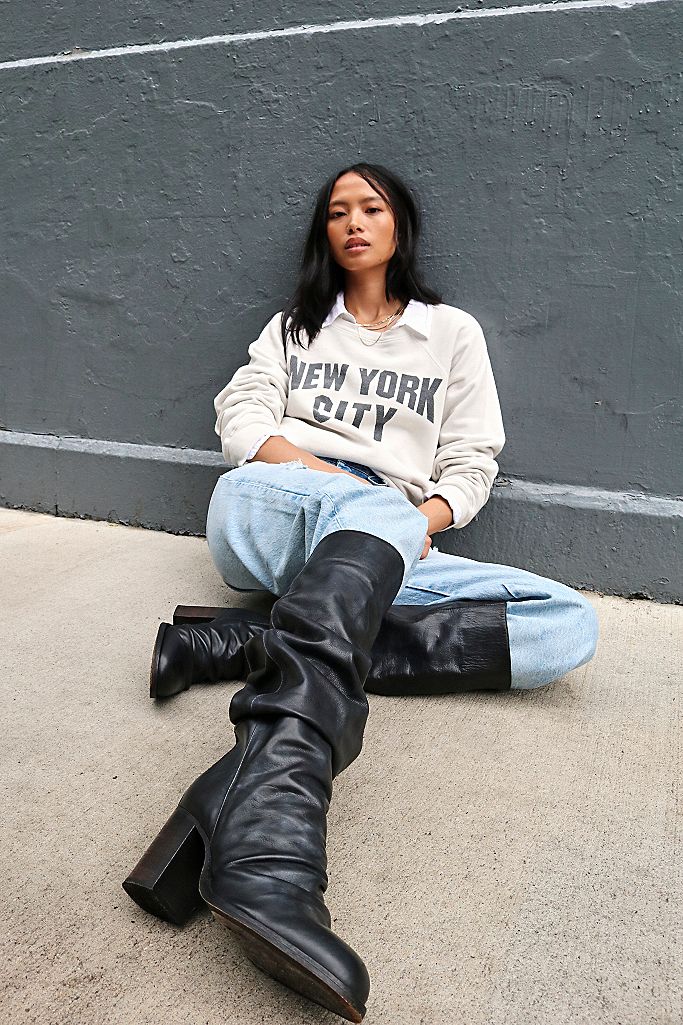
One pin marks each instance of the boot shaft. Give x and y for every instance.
(349, 581)
(279, 775)
(313, 661)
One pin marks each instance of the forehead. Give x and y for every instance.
(352, 187)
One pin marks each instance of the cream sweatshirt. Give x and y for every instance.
(419, 405)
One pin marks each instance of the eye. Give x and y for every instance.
(339, 213)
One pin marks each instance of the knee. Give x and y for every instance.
(356, 502)
(215, 509)
(384, 512)
(558, 636)
(575, 632)
(578, 630)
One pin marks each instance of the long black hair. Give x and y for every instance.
(321, 277)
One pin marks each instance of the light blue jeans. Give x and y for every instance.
(265, 519)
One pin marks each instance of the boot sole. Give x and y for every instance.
(297, 973)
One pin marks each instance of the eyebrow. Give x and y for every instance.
(366, 199)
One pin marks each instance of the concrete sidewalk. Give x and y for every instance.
(501, 859)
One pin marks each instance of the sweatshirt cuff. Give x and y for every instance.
(256, 446)
(452, 497)
(244, 443)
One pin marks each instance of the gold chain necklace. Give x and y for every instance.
(385, 320)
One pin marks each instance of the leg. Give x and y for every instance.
(263, 522)
(461, 644)
(265, 519)
(552, 627)
(248, 837)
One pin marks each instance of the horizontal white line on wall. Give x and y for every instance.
(117, 449)
(509, 488)
(581, 496)
(399, 21)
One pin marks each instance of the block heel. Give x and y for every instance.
(165, 881)
(196, 613)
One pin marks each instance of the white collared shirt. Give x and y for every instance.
(416, 315)
(419, 406)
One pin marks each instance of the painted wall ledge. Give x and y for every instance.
(613, 542)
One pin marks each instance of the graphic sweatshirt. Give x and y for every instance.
(419, 405)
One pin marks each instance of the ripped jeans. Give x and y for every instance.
(264, 520)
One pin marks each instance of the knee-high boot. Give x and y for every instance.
(248, 836)
(444, 648)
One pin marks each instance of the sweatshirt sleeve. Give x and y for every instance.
(472, 432)
(256, 446)
(251, 406)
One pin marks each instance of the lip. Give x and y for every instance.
(356, 244)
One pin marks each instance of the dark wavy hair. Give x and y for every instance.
(321, 277)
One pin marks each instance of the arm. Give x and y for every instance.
(439, 514)
(251, 407)
(253, 402)
(277, 449)
(471, 435)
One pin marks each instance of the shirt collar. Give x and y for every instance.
(416, 315)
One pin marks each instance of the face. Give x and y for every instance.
(357, 211)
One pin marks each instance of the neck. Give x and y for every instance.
(365, 298)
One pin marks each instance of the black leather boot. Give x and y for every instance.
(447, 648)
(202, 653)
(248, 837)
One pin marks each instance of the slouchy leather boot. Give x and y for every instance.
(447, 648)
(248, 836)
(183, 655)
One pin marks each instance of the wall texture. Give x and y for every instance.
(155, 180)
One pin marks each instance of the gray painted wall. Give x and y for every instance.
(150, 202)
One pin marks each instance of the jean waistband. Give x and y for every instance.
(358, 468)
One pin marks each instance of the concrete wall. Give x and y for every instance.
(151, 193)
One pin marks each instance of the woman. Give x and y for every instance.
(366, 420)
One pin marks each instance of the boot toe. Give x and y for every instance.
(168, 672)
(286, 932)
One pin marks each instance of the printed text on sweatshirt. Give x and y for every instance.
(420, 406)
